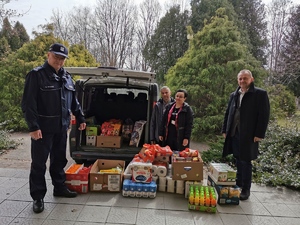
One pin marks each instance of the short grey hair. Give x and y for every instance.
(245, 71)
(165, 87)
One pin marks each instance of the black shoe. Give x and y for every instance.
(244, 194)
(65, 193)
(38, 206)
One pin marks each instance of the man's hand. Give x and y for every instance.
(35, 135)
(257, 139)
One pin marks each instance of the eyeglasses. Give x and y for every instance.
(58, 57)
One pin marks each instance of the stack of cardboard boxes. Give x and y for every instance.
(222, 177)
(102, 176)
(109, 137)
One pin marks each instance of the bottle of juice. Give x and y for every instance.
(191, 197)
(197, 198)
(207, 200)
(213, 201)
(202, 198)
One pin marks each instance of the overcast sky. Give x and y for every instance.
(39, 12)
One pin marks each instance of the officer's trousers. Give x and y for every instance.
(55, 146)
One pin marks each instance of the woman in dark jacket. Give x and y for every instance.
(177, 123)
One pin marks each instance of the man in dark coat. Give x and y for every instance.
(245, 124)
(157, 114)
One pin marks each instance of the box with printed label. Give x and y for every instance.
(222, 172)
(187, 170)
(91, 131)
(91, 140)
(227, 194)
(109, 141)
(107, 175)
(78, 180)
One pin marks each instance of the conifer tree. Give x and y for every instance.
(168, 43)
(209, 69)
(291, 53)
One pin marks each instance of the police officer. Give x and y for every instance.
(48, 101)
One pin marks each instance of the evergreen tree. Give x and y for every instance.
(168, 43)
(208, 71)
(6, 30)
(291, 53)
(252, 15)
(4, 48)
(248, 15)
(20, 33)
(15, 36)
(203, 10)
(15, 67)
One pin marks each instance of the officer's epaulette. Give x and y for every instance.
(38, 68)
(68, 73)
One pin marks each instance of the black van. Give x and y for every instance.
(107, 93)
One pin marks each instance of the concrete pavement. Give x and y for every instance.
(266, 205)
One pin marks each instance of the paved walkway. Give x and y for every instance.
(270, 206)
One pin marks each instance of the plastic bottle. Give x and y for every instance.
(191, 197)
(213, 202)
(197, 198)
(202, 198)
(207, 200)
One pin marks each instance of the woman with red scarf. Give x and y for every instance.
(177, 123)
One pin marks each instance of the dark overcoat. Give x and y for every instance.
(254, 119)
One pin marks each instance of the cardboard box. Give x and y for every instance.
(227, 195)
(192, 171)
(78, 181)
(106, 182)
(91, 131)
(214, 179)
(91, 140)
(109, 141)
(222, 172)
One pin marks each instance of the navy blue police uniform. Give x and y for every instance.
(48, 101)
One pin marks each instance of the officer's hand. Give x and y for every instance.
(185, 142)
(82, 126)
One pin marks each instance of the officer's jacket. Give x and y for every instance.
(49, 99)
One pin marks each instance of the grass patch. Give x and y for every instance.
(290, 121)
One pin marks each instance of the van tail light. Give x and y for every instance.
(73, 120)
